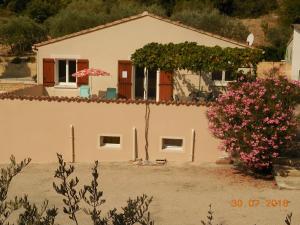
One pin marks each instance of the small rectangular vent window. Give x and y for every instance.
(110, 141)
(172, 143)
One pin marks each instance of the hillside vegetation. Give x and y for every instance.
(25, 22)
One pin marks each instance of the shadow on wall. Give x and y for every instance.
(31, 90)
(186, 82)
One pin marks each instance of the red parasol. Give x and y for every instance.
(90, 72)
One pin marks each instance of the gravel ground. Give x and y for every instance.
(181, 192)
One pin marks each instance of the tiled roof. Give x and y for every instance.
(144, 14)
(12, 96)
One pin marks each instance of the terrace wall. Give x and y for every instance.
(38, 127)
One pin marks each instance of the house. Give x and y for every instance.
(110, 46)
(292, 55)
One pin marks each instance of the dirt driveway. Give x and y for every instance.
(182, 192)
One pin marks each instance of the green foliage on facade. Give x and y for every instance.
(193, 57)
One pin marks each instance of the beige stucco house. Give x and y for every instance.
(292, 56)
(109, 47)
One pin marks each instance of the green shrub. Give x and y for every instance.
(277, 38)
(245, 8)
(83, 14)
(255, 120)
(136, 212)
(290, 11)
(68, 21)
(20, 33)
(40, 10)
(212, 21)
(16, 5)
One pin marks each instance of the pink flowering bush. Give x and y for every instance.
(255, 120)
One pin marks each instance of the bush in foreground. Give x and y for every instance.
(255, 120)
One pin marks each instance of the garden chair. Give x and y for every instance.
(85, 91)
(111, 93)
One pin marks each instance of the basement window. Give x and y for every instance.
(172, 144)
(110, 141)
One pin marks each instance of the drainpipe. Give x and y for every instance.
(72, 143)
(192, 154)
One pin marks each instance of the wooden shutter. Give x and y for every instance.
(124, 79)
(82, 64)
(165, 86)
(48, 72)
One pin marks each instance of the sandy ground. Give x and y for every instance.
(182, 192)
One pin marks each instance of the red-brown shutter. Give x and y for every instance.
(124, 83)
(48, 72)
(82, 64)
(165, 86)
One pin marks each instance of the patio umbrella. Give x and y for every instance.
(90, 72)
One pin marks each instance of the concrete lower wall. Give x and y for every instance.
(39, 129)
(9, 87)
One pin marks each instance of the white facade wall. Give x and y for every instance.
(103, 48)
(296, 55)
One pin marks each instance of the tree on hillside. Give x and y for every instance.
(212, 21)
(290, 11)
(245, 8)
(40, 10)
(20, 33)
(15, 5)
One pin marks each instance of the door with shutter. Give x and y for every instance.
(48, 72)
(82, 64)
(165, 86)
(124, 79)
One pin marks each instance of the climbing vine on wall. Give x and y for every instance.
(194, 57)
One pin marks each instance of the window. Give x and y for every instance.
(217, 75)
(222, 77)
(65, 70)
(229, 76)
(172, 144)
(110, 141)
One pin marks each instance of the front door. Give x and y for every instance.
(149, 82)
(124, 79)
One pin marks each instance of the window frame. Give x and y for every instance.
(67, 83)
(109, 146)
(222, 82)
(171, 149)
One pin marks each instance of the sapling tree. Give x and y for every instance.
(92, 196)
(33, 216)
(30, 215)
(136, 212)
(209, 217)
(67, 188)
(7, 174)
